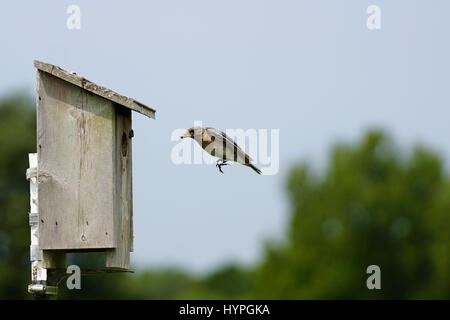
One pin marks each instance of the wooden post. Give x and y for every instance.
(43, 279)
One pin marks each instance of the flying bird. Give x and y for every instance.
(219, 145)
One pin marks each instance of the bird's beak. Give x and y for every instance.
(186, 135)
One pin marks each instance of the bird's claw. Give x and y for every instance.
(219, 165)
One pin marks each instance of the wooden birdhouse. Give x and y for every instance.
(84, 174)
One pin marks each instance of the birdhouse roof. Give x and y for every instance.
(90, 86)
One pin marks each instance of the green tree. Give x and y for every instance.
(373, 205)
(17, 139)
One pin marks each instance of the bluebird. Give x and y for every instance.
(219, 145)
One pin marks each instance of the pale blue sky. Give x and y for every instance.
(311, 69)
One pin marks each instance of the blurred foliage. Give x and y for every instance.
(17, 139)
(374, 204)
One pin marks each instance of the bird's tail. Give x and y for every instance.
(254, 168)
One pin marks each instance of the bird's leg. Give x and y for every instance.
(220, 163)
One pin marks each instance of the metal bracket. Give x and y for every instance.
(33, 218)
(32, 173)
(42, 289)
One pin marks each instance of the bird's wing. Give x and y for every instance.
(231, 146)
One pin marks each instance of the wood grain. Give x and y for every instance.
(75, 166)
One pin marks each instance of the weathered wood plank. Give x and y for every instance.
(75, 166)
(96, 89)
(119, 258)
